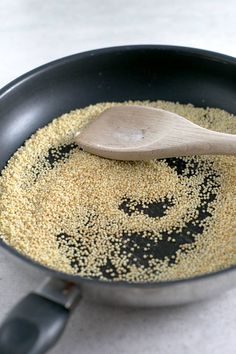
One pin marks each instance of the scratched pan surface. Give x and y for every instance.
(119, 74)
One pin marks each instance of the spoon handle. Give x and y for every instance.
(199, 141)
(207, 142)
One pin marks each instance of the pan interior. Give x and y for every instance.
(111, 220)
(142, 248)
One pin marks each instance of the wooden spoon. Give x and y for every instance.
(141, 133)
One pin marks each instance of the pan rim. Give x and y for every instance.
(179, 50)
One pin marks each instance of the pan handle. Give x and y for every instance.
(37, 321)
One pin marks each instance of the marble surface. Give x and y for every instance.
(34, 32)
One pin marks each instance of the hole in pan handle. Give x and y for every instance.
(35, 324)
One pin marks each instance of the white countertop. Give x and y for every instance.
(33, 32)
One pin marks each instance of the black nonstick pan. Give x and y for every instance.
(146, 72)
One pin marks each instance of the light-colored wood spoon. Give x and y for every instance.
(141, 133)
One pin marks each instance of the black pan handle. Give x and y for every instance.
(37, 321)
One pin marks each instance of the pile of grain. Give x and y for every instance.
(113, 220)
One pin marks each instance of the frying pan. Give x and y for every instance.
(144, 72)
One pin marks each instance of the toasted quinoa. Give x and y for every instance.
(114, 220)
